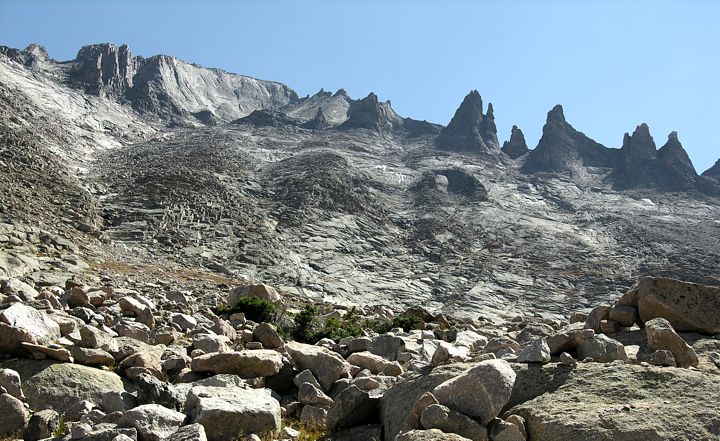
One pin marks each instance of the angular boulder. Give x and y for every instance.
(661, 336)
(153, 422)
(480, 392)
(13, 416)
(430, 435)
(229, 412)
(437, 416)
(689, 307)
(260, 291)
(326, 365)
(24, 324)
(246, 364)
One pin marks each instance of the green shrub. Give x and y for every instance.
(408, 322)
(255, 309)
(309, 329)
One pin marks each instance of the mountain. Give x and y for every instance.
(516, 146)
(562, 149)
(714, 171)
(164, 162)
(470, 130)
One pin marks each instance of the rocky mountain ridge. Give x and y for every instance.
(189, 254)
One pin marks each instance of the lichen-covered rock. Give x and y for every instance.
(61, 385)
(689, 307)
(430, 435)
(625, 402)
(437, 416)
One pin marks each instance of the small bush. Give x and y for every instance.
(257, 310)
(309, 329)
(408, 322)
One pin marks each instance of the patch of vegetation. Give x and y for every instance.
(257, 310)
(309, 329)
(408, 322)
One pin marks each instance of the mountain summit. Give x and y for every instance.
(470, 130)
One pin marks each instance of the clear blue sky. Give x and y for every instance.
(611, 64)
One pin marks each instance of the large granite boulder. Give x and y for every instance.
(246, 364)
(60, 386)
(625, 402)
(229, 412)
(479, 392)
(661, 336)
(326, 365)
(24, 324)
(153, 422)
(689, 307)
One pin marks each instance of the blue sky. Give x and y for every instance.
(611, 64)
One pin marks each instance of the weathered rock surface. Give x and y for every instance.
(480, 392)
(661, 336)
(24, 324)
(246, 364)
(152, 421)
(689, 307)
(62, 385)
(228, 412)
(430, 435)
(326, 365)
(13, 416)
(625, 402)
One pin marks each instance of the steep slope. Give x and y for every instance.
(714, 171)
(334, 106)
(470, 130)
(562, 149)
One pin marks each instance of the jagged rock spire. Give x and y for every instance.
(470, 130)
(714, 171)
(516, 146)
(370, 113)
(319, 122)
(639, 146)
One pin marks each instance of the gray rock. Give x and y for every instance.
(387, 346)
(624, 315)
(516, 146)
(352, 407)
(42, 424)
(10, 380)
(305, 377)
(246, 364)
(412, 421)
(662, 358)
(13, 416)
(437, 416)
(314, 416)
(570, 337)
(602, 349)
(661, 335)
(152, 421)
(597, 314)
(505, 431)
(310, 394)
(536, 352)
(24, 324)
(374, 363)
(260, 291)
(266, 334)
(60, 385)
(228, 412)
(191, 432)
(326, 366)
(480, 392)
(209, 343)
(430, 435)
